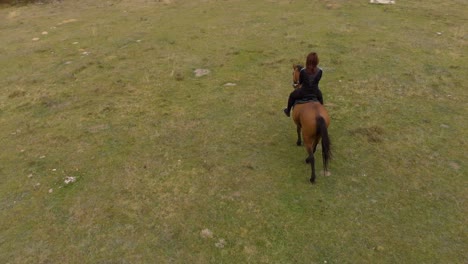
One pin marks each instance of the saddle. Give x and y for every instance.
(306, 100)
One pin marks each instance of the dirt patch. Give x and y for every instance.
(374, 134)
(18, 93)
(329, 4)
(454, 165)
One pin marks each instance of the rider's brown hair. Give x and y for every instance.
(311, 62)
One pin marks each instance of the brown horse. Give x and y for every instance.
(312, 120)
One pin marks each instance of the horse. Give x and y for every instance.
(312, 121)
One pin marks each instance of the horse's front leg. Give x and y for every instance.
(299, 141)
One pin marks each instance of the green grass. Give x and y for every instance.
(108, 96)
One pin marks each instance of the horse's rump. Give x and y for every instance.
(307, 113)
(312, 122)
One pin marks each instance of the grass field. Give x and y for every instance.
(174, 168)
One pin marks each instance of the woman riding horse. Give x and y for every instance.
(310, 116)
(308, 82)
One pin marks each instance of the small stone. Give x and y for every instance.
(45, 33)
(51, 190)
(444, 126)
(76, 42)
(439, 33)
(230, 84)
(35, 39)
(30, 175)
(69, 180)
(201, 72)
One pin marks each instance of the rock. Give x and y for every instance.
(384, 2)
(201, 72)
(69, 179)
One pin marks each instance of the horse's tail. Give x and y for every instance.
(326, 143)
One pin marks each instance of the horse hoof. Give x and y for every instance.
(298, 143)
(312, 181)
(307, 160)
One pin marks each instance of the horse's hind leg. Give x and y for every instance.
(315, 146)
(299, 141)
(311, 160)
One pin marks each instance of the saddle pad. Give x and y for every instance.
(306, 100)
